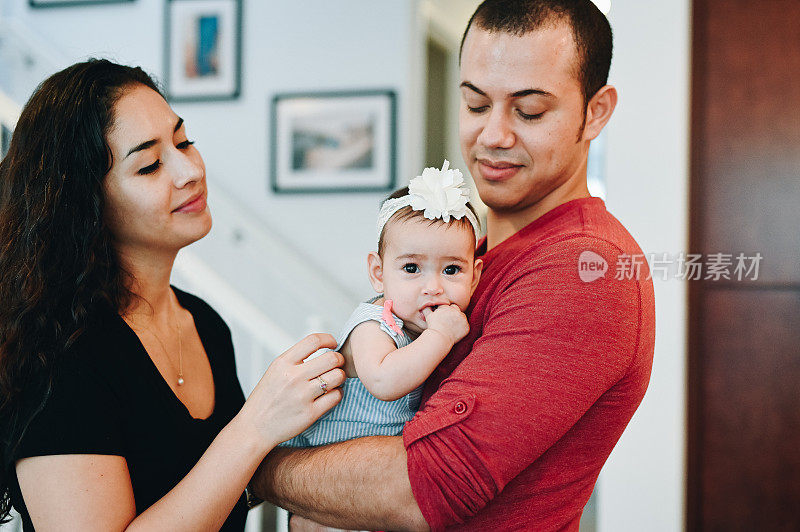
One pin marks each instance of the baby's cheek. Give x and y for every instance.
(462, 300)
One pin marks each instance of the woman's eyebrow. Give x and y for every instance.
(152, 142)
(143, 146)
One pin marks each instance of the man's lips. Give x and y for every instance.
(497, 170)
(194, 204)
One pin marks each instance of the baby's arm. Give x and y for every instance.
(390, 373)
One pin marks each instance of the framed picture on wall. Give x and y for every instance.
(333, 142)
(203, 49)
(59, 3)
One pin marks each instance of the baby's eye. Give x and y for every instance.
(452, 269)
(411, 268)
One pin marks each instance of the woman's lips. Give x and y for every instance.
(196, 205)
(497, 171)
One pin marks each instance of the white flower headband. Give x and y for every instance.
(439, 193)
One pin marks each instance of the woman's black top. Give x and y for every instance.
(109, 398)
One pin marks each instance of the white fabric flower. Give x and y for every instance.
(439, 193)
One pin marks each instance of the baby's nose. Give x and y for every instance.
(433, 287)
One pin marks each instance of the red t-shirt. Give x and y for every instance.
(520, 417)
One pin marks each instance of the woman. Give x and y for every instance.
(120, 404)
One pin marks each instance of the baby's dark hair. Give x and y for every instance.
(407, 213)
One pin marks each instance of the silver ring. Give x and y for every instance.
(322, 385)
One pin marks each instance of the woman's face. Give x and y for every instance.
(156, 188)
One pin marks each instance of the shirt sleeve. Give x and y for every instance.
(80, 415)
(551, 345)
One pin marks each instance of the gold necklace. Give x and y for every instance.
(180, 353)
(180, 349)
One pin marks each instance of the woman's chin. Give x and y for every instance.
(200, 228)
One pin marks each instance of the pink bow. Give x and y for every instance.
(388, 318)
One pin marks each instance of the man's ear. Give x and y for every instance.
(599, 111)
(477, 268)
(375, 271)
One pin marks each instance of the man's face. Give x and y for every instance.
(521, 117)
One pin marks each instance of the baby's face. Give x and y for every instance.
(427, 265)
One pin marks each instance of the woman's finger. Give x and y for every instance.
(325, 402)
(326, 382)
(307, 346)
(334, 377)
(321, 364)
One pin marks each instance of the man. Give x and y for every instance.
(517, 422)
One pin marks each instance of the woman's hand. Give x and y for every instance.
(290, 397)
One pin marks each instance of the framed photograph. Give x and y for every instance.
(334, 142)
(5, 140)
(59, 3)
(203, 49)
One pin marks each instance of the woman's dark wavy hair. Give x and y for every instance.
(57, 261)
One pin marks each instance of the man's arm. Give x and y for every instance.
(356, 484)
(550, 346)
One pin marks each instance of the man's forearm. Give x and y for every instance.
(357, 484)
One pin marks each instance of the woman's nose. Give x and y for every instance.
(188, 168)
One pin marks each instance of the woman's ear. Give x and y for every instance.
(477, 268)
(375, 271)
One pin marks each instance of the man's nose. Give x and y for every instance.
(497, 131)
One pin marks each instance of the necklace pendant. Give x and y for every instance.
(180, 381)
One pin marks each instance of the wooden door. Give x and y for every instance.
(744, 357)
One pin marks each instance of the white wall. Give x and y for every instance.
(642, 485)
(287, 46)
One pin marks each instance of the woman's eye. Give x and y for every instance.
(526, 116)
(452, 269)
(185, 144)
(411, 268)
(150, 168)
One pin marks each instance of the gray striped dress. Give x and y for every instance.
(359, 413)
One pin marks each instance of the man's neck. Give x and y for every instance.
(501, 225)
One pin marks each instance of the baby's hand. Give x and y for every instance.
(448, 320)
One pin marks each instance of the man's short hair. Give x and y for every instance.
(590, 30)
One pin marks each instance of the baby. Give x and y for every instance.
(426, 272)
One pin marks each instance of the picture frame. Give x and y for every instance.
(72, 3)
(203, 50)
(334, 142)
